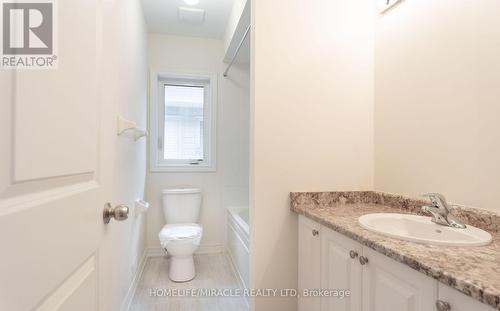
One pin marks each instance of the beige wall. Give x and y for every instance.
(229, 184)
(312, 121)
(437, 103)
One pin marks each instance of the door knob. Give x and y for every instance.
(315, 232)
(353, 254)
(119, 212)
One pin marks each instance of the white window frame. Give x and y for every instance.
(157, 123)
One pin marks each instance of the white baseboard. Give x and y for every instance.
(155, 252)
(210, 249)
(135, 282)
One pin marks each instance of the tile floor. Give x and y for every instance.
(213, 271)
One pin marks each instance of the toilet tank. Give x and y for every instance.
(181, 205)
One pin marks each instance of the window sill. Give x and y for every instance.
(182, 169)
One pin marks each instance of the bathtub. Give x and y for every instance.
(238, 237)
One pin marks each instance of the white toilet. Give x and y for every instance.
(181, 236)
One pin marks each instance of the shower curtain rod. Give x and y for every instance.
(237, 50)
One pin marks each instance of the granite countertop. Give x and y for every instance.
(473, 271)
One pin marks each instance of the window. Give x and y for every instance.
(185, 123)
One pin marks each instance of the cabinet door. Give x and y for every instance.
(392, 286)
(459, 301)
(339, 271)
(309, 262)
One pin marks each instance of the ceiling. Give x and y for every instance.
(162, 17)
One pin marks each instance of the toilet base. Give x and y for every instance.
(181, 269)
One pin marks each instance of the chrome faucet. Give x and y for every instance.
(440, 211)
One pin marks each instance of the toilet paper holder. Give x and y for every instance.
(141, 206)
(127, 125)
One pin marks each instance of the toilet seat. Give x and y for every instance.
(180, 232)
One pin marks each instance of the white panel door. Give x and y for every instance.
(309, 262)
(51, 199)
(459, 301)
(340, 271)
(392, 286)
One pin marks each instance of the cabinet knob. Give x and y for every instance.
(442, 306)
(363, 260)
(353, 254)
(315, 232)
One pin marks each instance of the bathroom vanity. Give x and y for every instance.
(383, 273)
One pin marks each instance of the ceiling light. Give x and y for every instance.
(191, 2)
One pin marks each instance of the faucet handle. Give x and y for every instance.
(437, 199)
(440, 211)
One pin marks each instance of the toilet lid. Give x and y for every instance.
(180, 232)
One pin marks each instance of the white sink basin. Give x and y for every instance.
(421, 229)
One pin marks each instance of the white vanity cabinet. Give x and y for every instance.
(458, 301)
(391, 286)
(309, 262)
(340, 269)
(330, 260)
